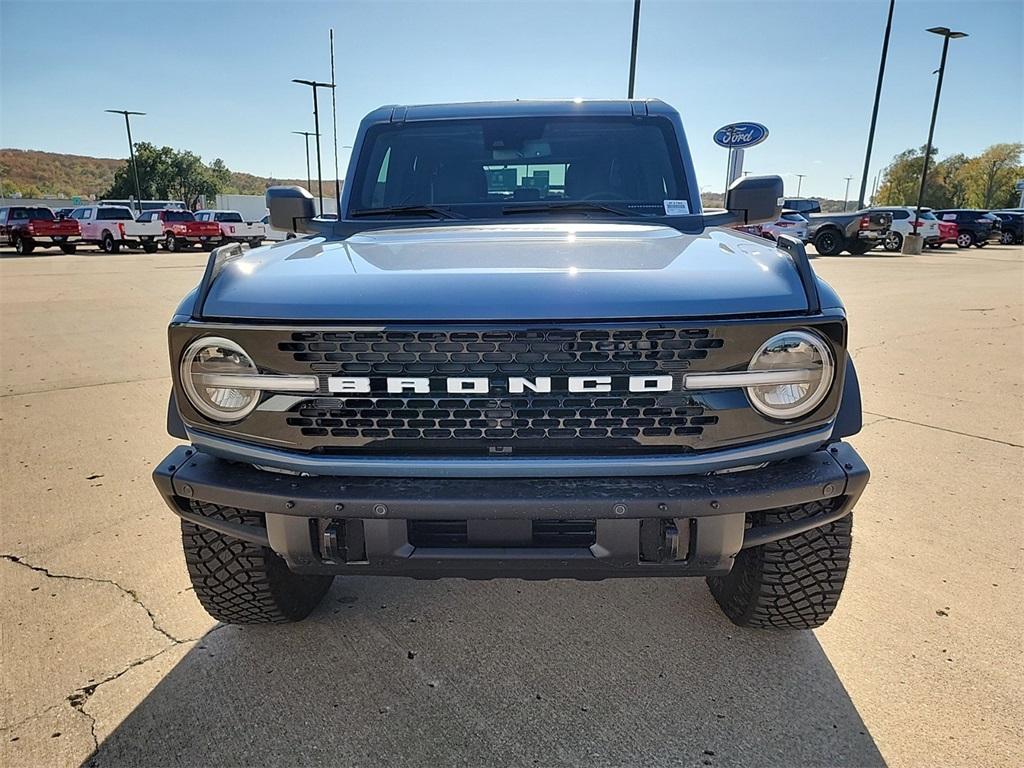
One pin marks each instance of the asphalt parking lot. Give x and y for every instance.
(108, 659)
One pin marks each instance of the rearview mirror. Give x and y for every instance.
(291, 209)
(755, 199)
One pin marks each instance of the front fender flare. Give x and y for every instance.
(850, 418)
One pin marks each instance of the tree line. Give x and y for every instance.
(959, 181)
(166, 173)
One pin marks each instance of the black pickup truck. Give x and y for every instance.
(856, 233)
(523, 350)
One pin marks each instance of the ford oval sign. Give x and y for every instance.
(740, 135)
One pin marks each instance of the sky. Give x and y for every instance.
(214, 76)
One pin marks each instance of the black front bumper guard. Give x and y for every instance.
(711, 511)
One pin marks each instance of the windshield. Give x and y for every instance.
(481, 168)
(114, 214)
(179, 216)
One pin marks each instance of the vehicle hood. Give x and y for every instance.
(546, 271)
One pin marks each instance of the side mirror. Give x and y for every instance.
(291, 209)
(755, 199)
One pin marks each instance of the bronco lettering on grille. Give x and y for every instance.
(517, 385)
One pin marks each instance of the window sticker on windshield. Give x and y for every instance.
(948, 216)
(677, 208)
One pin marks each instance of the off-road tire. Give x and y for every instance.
(828, 243)
(242, 583)
(793, 583)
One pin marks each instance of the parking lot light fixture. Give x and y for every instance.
(874, 110)
(309, 175)
(846, 195)
(947, 35)
(316, 132)
(799, 182)
(131, 152)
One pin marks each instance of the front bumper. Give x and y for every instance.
(647, 526)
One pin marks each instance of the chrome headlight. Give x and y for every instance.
(805, 370)
(213, 372)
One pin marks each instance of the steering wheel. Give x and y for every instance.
(605, 195)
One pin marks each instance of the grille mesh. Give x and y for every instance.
(446, 418)
(538, 352)
(500, 420)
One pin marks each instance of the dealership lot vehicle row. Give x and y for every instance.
(110, 657)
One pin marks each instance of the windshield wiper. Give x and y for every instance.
(570, 207)
(426, 210)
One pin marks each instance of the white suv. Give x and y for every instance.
(903, 224)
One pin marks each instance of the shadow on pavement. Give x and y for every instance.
(398, 672)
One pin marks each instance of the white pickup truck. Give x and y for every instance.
(233, 228)
(112, 227)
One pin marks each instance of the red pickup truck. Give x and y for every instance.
(181, 229)
(26, 226)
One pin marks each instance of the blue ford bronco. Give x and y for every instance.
(522, 350)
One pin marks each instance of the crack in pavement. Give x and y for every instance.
(940, 429)
(84, 386)
(930, 331)
(79, 697)
(130, 593)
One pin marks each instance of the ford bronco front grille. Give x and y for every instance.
(502, 417)
(501, 421)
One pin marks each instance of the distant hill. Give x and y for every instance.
(52, 174)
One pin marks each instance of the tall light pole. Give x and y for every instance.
(947, 35)
(632, 51)
(309, 176)
(316, 129)
(846, 195)
(799, 182)
(131, 151)
(334, 113)
(874, 111)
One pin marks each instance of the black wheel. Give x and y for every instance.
(149, 246)
(255, 242)
(171, 243)
(828, 243)
(68, 248)
(109, 244)
(242, 583)
(964, 240)
(23, 246)
(893, 241)
(792, 583)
